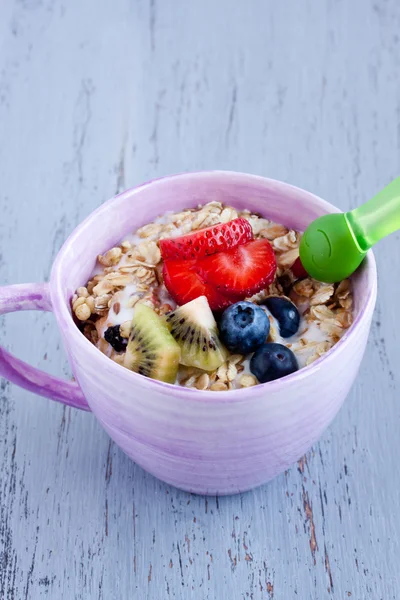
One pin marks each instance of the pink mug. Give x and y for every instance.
(200, 441)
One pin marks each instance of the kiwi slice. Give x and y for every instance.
(194, 328)
(151, 350)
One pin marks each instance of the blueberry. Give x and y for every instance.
(286, 313)
(273, 361)
(244, 327)
(113, 337)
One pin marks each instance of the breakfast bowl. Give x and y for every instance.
(199, 441)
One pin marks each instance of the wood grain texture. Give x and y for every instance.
(98, 96)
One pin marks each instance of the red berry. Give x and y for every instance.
(184, 283)
(205, 242)
(298, 270)
(242, 271)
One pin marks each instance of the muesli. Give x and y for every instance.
(211, 298)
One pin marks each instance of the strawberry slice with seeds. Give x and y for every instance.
(242, 271)
(184, 283)
(206, 242)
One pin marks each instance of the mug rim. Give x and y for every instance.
(64, 317)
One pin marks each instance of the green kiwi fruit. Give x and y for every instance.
(151, 349)
(194, 328)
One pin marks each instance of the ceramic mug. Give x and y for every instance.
(200, 441)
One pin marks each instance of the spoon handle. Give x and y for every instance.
(378, 217)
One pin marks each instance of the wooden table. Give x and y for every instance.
(96, 97)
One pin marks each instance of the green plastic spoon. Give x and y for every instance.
(333, 246)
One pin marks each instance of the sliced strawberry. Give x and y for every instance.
(184, 283)
(298, 270)
(205, 242)
(242, 271)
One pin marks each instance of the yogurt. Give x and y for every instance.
(307, 344)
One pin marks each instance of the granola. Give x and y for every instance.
(130, 274)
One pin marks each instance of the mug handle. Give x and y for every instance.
(34, 296)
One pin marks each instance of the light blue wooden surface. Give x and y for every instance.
(98, 96)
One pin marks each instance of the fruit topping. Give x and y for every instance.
(273, 361)
(113, 337)
(194, 328)
(220, 272)
(151, 350)
(184, 282)
(298, 270)
(244, 327)
(285, 312)
(205, 242)
(242, 271)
